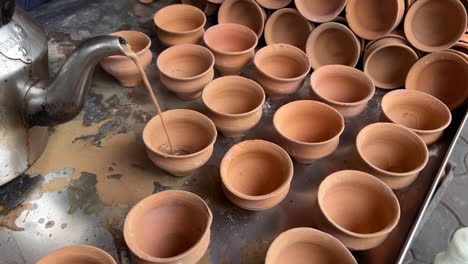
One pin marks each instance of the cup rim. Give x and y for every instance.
(87, 248)
(212, 84)
(306, 13)
(227, 4)
(269, 4)
(176, 6)
(140, 52)
(269, 31)
(340, 174)
(229, 27)
(227, 157)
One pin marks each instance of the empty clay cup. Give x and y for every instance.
(186, 69)
(320, 10)
(372, 19)
(333, 43)
(460, 49)
(274, 4)
(435, 25)
(78, 254)
(280, 69)
(169, 227)
(278, 28)
(424, 114)
(357, 208)
(308, 130)
(232, 45)
(305, 245)
(180, 24)
(392, 152)
(256, 174)
(443, 75)
(122, 67)
(234, 104)
(244, 12)
(192, 136)
(388, 60)
(208, 7)
(345, 88)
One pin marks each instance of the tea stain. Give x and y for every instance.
(254, 252)
(82, 194)
(63, 226)
(41, 220)
(54, 185)
(50, 224)
(8, 220)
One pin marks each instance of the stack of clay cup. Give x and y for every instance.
(353, 47)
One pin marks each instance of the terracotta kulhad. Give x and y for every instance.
(208, 7)
(274, 4)
(320, 10)
(245, 12)
(77, 254)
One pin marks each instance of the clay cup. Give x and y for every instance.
(320, 11)
(274, 4)
(208, 7)
(244, 12)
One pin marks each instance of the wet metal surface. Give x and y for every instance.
(95, 167)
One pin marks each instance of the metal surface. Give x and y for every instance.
(95, 167)
(7, 8)
(27, 99)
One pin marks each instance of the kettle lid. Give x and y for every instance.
(7, 8)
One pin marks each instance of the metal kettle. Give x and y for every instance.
(29, 102)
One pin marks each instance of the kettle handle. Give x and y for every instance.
(7, 9)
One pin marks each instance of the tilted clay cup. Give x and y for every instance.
(308, 130)
(206, 6)
(388, 61)
(357, 208)
(372, 19)
(320, 10)
(180, 24)
(274, 4)
(169, 227)
(78, 254)
(244, 12)
(278, 28)
(333, 43)
(280, 69)
(393, 153)
(435, 25)
(256, 174)
(122, 67)
(424, 114)
(190, 132)
(346, 89)
(232, 45)
(234, 104)
(443, 75)
(186, 69)
(305, 245)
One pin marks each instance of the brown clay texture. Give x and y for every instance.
(308, 130)
(80, 254)
(372, 19)
(206, 6)
(273, 4)
(392, 152)
(320, 10)
(232, 45)
(244, 12)
(234, 103)
(169, 227)
(180, 24)
(307, 245)
(388, 60)
(256, 174)
(278, 28)
(443, 75)
(333, 43)
(280, 69)
(357, 208)
(346, 89)
(186, 69)
(122, 67)
(422, 113)
(197, 148)
(435, 25)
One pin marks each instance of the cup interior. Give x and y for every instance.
(391, 148)
(233, 95)
(341, 84)
(137, 40)
(436, 23)
(230, 38)
(256, 168)
(282, 32)
(320, 9)
(415, 110)
(308, 121)
(282, 61)
(180, 18)
(185, 61)
(374, 16)
(358, 202)
(241, 12)
(180, 123)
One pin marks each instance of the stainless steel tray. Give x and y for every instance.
(95, 167)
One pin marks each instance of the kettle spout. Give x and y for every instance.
(50, 103)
